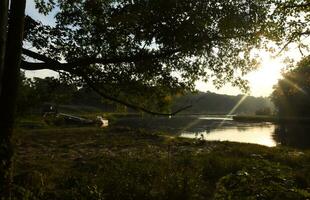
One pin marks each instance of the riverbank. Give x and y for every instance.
(268, 118)
(123, 163)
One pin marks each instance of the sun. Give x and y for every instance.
(262, 80)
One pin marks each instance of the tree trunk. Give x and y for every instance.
(9, 83)
(3, 33)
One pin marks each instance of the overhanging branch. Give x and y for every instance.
(38, 66)
(56, 66)
(86, 61)
(292, 38)
(138, 108)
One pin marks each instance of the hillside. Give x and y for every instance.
(212, 103)
(38, 93)
(202, 103)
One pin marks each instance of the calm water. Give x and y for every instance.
(225, 129)
(257, 134)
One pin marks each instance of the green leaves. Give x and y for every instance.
(45, 7)
(174, 43)
(291, 94)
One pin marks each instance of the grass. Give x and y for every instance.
(122, 163)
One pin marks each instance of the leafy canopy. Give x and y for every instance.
(142, 51)
(291, 94)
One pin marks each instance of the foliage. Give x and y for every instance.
(121, 163)
(291, 94)
(54, 90)
(33, 93)
(289, 23)
(37, 92)
(143, 52)
(26, 96)
(264, 180)
(212, 103)
(263, 111)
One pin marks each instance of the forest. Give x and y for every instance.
(135, 64)
(37, 92)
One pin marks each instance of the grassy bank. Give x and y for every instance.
(121, 163)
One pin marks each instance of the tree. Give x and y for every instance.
(26, 96)
(138, 52)
(53, 90)
(291, 94)
(289, 23)
(33, 93)
(11, 37)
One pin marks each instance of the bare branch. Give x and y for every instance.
(292, 38)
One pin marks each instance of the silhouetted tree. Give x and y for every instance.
(291, 94)
(10, 57)
(33, 93)
(138, 52)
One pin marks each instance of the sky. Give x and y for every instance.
(261, 81)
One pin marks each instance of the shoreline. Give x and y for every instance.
(124, 163)
(274, 119)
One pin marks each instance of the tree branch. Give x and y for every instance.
(38, 56)
(138, 108)
(56, 66)
(38, 66)
(292, 38)
(91, 60)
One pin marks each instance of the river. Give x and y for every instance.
(223, 128)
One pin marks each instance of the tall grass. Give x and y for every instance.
(121, 163)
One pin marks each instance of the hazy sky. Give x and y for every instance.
(261, 81)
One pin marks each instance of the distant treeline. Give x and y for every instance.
(38, 93)
(212, 103)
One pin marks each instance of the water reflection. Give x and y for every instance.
(257, 134)
(225, 129)
(293, 135)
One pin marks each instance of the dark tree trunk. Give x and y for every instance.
(3, 32)
(9, 83)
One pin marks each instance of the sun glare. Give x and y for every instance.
(261, 81)
(267, 75)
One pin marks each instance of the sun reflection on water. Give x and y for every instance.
(255, 134)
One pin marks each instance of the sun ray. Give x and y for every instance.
(295, 86)
(189, 125)
(233, 110)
